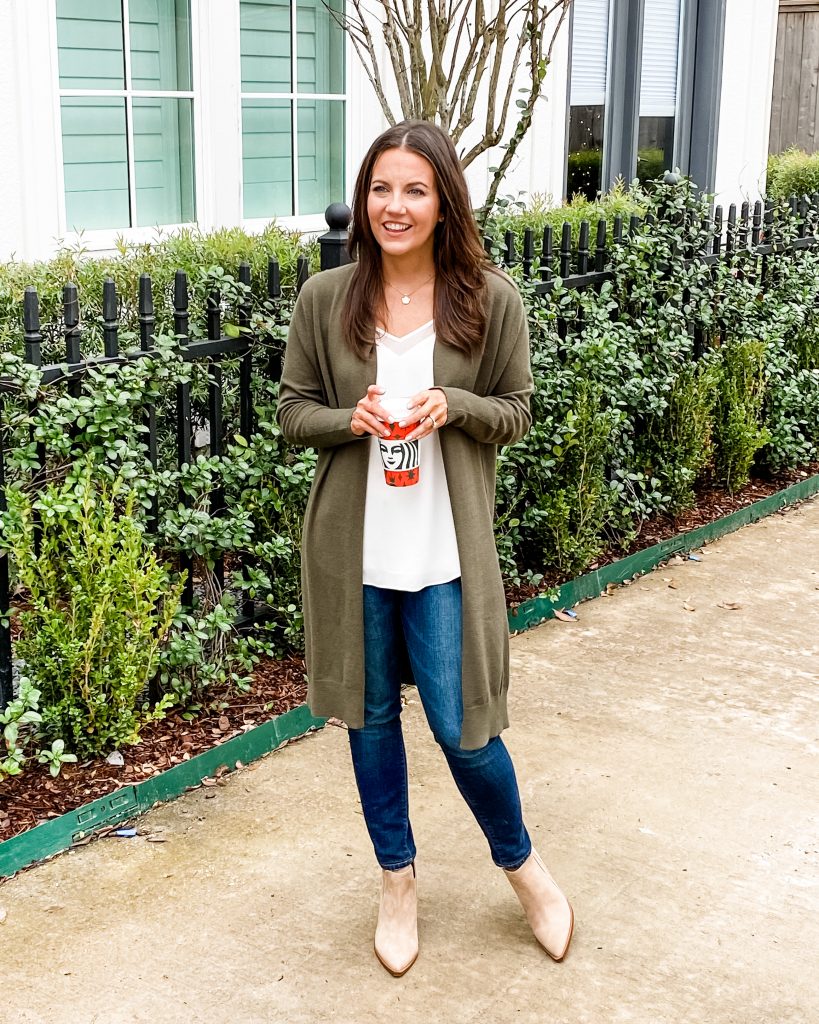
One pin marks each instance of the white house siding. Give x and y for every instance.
(745, 105)
(11, 220)
(29, 181)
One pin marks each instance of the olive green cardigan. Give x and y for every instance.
(488, 400)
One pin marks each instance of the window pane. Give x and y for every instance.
(320, 47)
(160, 32)
(89, 45)
(658, 88)
(265, 45)
(163, 161)
(95, 161)
(267, 158)
(590, 40)
(321, 154)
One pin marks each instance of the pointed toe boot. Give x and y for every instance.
(396, 934)
(547, 910)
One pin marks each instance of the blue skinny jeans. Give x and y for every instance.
(431, 623)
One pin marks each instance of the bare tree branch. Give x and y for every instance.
(525, 119)
(444, 56)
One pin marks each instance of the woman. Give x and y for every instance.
(402, 584)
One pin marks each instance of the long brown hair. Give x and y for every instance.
(460, 262)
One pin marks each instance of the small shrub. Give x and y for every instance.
(99, 606)
(738, 429)
(17, 720)
(563, 521)
(678, 444)
(792, 173)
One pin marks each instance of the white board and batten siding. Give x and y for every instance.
(745, 104)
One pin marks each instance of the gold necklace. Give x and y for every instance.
(406, 296)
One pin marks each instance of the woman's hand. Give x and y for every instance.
(429, 410)
(369, 417)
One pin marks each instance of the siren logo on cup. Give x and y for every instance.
(400, 460)
(399, 457)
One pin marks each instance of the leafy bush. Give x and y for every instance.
(98, 608)
(677, 444)
(518, 213)
(738, 428)
(792, 173)
(208, 259)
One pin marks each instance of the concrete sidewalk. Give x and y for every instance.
(668, 765)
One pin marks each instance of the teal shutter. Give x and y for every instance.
(90, 45)
(95, 162)
(320, 47)
(95, 150)
(267, 158)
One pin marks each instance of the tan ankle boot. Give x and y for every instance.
(396, 934)
(548, 912)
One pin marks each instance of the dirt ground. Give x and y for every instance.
(667, 747)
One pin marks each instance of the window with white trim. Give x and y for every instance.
(126, 105)
(293, 106)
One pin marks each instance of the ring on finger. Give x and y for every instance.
(431, 418)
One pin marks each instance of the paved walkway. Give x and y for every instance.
(666, 745)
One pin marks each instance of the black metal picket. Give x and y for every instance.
(214, 348)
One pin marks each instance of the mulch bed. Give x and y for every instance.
(31, 798)
(278, 686)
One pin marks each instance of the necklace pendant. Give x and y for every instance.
(405, 299)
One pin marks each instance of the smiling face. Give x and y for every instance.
(403, 204)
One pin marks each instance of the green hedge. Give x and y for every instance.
(537, 211)
(627, 422)
(793, 173)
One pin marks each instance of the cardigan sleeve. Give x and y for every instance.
(503, 416)
(302, 412)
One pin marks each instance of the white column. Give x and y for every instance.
(217, 81)
(11, 223)
(745, 105)
(35, 153)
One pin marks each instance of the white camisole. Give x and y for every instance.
(409, 534)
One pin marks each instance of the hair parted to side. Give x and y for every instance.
(460, 262)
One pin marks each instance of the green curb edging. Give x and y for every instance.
(538, 609)
(61, 833)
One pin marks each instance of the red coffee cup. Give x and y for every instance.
(399, 457)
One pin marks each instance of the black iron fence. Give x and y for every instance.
(578, 264)
(211, 350)
(752, 230)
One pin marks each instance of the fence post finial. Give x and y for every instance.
(334, 242)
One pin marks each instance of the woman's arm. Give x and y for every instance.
(502, 417)
(302, 413)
